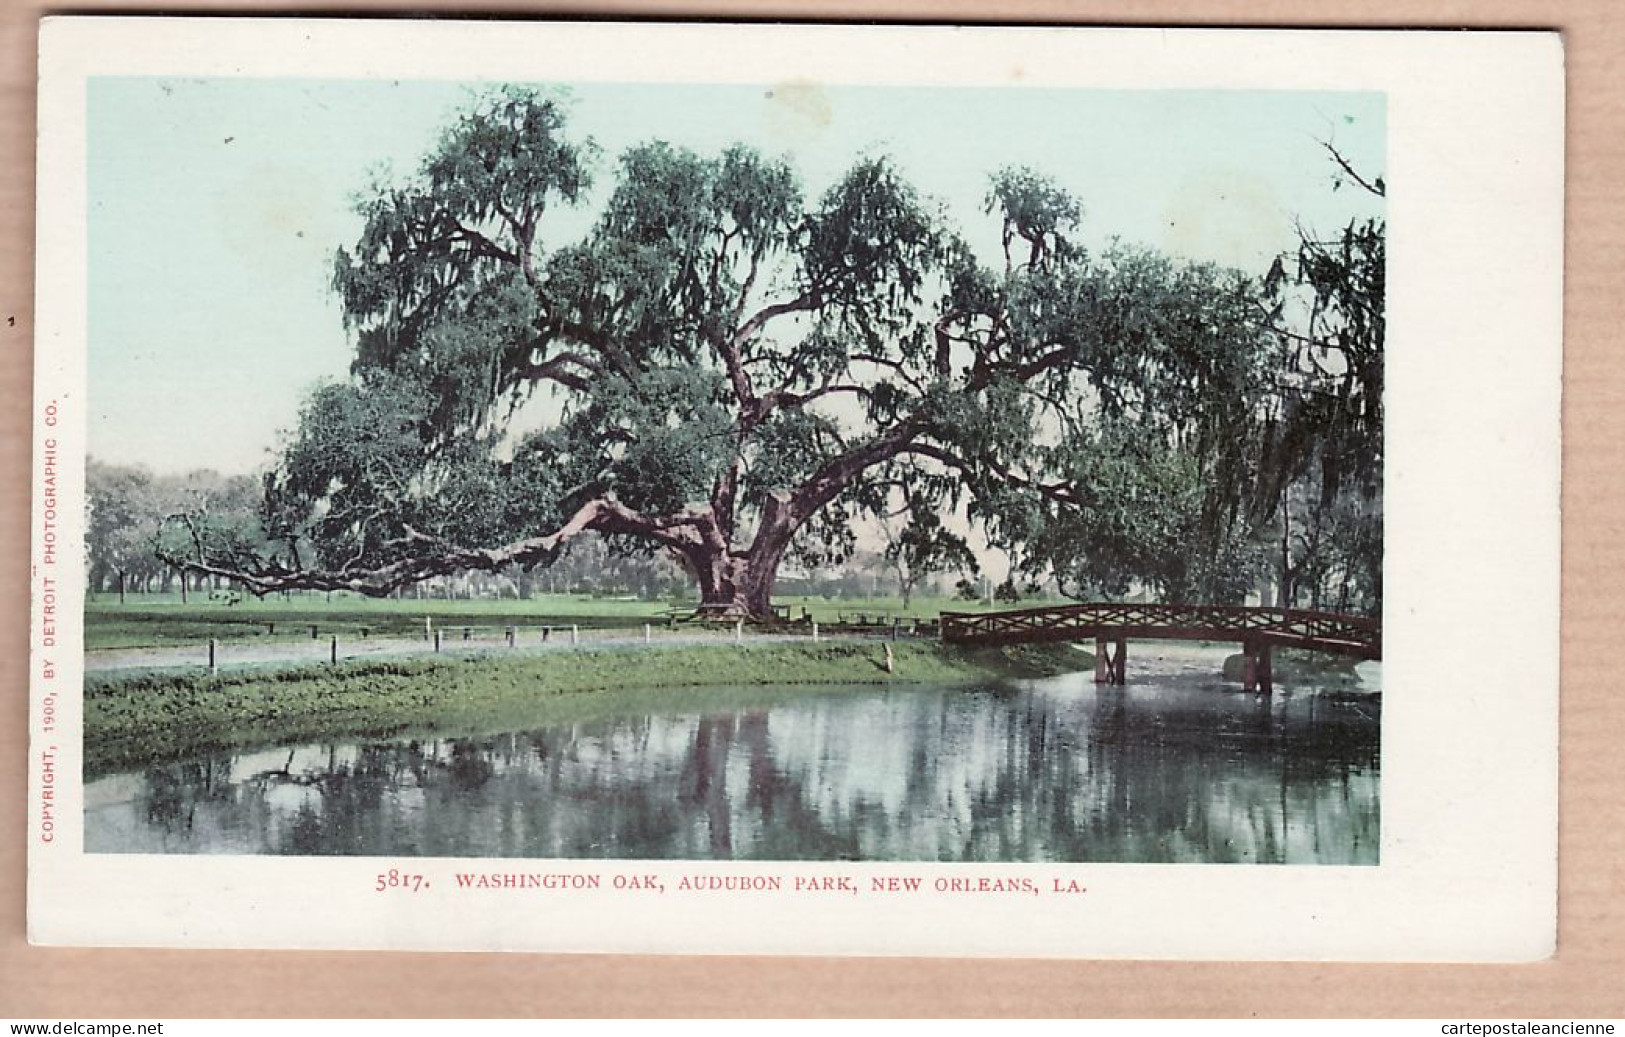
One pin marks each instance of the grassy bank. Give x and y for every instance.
(132, 718)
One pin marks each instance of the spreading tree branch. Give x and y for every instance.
(603, 515)
(1377, 188)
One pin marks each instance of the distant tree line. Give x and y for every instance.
(130, 512)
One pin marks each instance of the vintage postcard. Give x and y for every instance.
(796, 490)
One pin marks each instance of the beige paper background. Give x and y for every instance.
(1469, 746)
(35, 981)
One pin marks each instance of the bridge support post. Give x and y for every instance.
(1120, 662)
(1103, 672)
(1257, 675)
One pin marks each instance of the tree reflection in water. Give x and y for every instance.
(1059, 770)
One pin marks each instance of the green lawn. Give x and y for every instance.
(829, 611)
(161, 619)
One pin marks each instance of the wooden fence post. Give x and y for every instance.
(437, 640)
(815, 631)
(333, 650)
(575, 633)
(214, 663)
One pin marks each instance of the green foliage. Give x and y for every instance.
(869, 248)
(924, 546)
(1136, 510)
(1033, 209)
(731, 372)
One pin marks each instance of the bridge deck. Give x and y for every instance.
(1251, 626)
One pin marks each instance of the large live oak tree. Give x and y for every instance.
(730, 371)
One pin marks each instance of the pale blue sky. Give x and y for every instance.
(216, 206)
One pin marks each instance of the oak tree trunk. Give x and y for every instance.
(739, 584)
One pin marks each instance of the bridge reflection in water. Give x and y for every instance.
(1112, 624)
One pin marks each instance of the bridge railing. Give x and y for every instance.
(1307, 628)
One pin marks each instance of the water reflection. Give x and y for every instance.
(1059, 770)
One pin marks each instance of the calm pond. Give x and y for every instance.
(1175, 767)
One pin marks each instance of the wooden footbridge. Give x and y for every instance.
(1256, 629)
